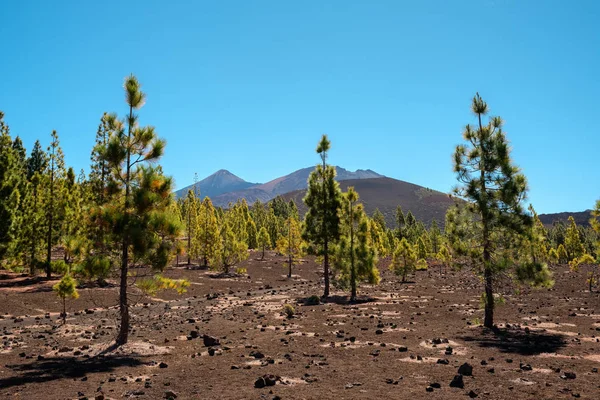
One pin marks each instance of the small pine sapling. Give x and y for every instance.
(67, 287)
(592, 264)
(404, 259)
(264, 241)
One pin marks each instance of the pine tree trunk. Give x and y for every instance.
(263, 253)
(189, 260)
(326, 268)
(64, 310)
(50, 222)
(326, 239)
(123, 335)
(123, 306)
(352, 266)
(290, 247)
(205, 244)
(33, 235)
(488, 276)
(488, 321)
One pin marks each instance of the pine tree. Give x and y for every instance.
(435, 235)
(10, 181)
(494, 189)
(563, 258)
(252, 234)
(444, 257)
(290, 244)
(355, 259)
(404, 260)
(191, 205)
(595, 223)
(377, 238)
(535, 240)
(293, 209)
(380, 219)
(573, 244)
(33, 214)
(140, 197)
(421, 249)
(553, 255)
(20, 159)
(53, 183)
(532, 267)
(264, 241)
(66, 288)
(321, 223)
(207, 234)
(274, 226)
(259, 213)
(73, 231)
(400, 222)
(232, 250)
(100, 169)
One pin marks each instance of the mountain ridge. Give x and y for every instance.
(386, 194)
(224, 187)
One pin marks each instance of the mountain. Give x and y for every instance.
(297, 180)
(216, 184)
(580, 217)
(387, 193)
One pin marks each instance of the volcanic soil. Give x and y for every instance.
(228, 334)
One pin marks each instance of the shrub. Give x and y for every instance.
(422, 265)
(241, 270)
(289, 310)
(59, 267)
(313, 300)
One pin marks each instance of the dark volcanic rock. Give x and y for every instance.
(457, 382)
(266, 380)
(466, 369)
(210, 341)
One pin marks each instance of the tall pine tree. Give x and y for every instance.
(355, 258)
(138, 210)
(323, 199)
(494, 189)
(54, 186)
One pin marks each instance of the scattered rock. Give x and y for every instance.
(170, 395)
(525, 367)
(257, 355)
(466, 369)
(457, 382)
(568, 375)
(266, 380)
(210, 341)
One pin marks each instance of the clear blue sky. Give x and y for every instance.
(250, 86)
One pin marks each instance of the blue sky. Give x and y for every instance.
(250, 86)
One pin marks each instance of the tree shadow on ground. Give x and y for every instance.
(193, 267)
(338, 299)
(518, 341)
(225, 275)
(19, 281)
(51, 369)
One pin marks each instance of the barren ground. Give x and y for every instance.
(386, 346)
